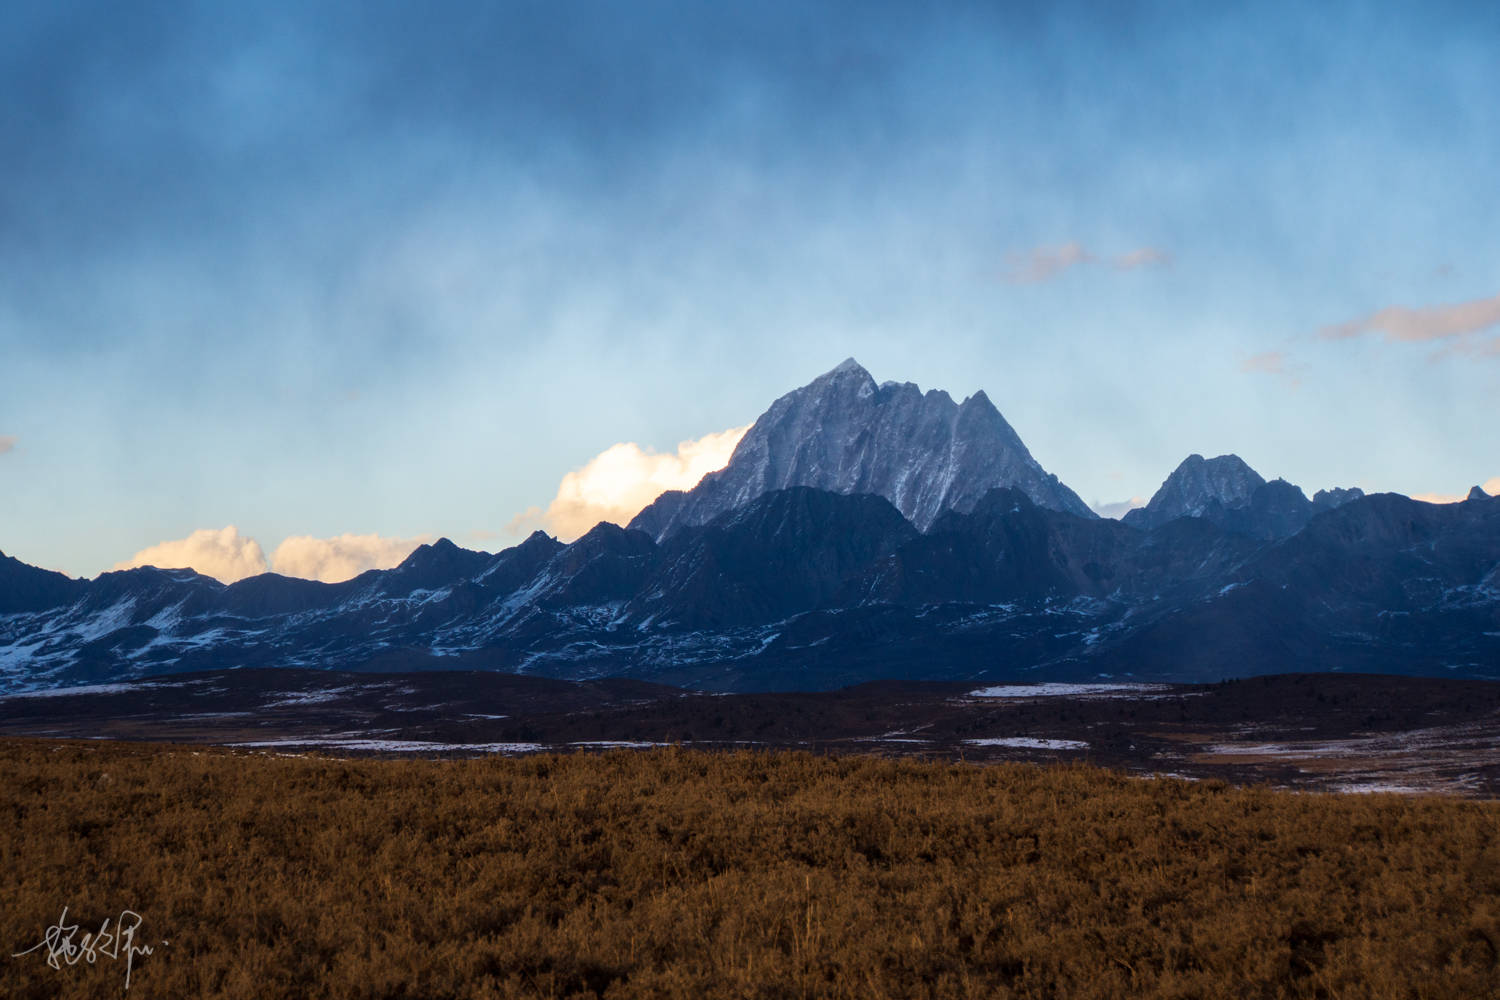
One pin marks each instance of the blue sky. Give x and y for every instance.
(387, 270)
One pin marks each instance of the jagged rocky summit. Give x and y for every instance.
(1336, 497)
(844, 433)
(1230, 494)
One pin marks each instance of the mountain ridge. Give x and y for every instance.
(813, 589)
(936, 547)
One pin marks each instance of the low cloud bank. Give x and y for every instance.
(333, 560)
(222, 553)
(227, 556)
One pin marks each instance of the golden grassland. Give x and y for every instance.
(676, 873)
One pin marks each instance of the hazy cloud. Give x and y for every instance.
(1458, 324)
(223, 554)
(343, 557)
(1273, 363)
(1474, 347)
(1043, 263)
(1140, 258)
(1119, 508)
(7, 443)
(1490, 486)
(1266, 363)
(624, 478)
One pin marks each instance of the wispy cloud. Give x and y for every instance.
(1044, 263)
(1273, 363)
(7, 443)
(1459, 325)
(617, 483)
(222, 553)
(1265, 363)
(1139, 258)
(343, 557)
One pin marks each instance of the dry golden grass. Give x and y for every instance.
(689, 874)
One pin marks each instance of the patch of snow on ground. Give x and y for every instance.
(1055, 690)
(1029, 743)
(400, 746)
(87, 689)
(1375, 788)
(626, 744)
(307, 697)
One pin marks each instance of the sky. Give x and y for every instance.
(301, 285)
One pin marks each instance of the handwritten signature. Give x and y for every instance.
(64, 946)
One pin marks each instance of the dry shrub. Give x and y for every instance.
(677, 873)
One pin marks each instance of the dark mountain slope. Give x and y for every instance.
(786, 552)
(26, 588)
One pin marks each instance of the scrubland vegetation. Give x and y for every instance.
(687, 874)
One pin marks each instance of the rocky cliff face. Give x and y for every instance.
(843, 433)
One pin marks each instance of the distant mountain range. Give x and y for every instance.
(860, 531)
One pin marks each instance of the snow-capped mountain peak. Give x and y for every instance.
(844, 433)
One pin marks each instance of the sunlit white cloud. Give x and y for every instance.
(616, 484)
(227, 556)
(7, 443)
(342, 557)
(1490, 486)
(1458, 325)
(221, 553)
(1119, 508)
